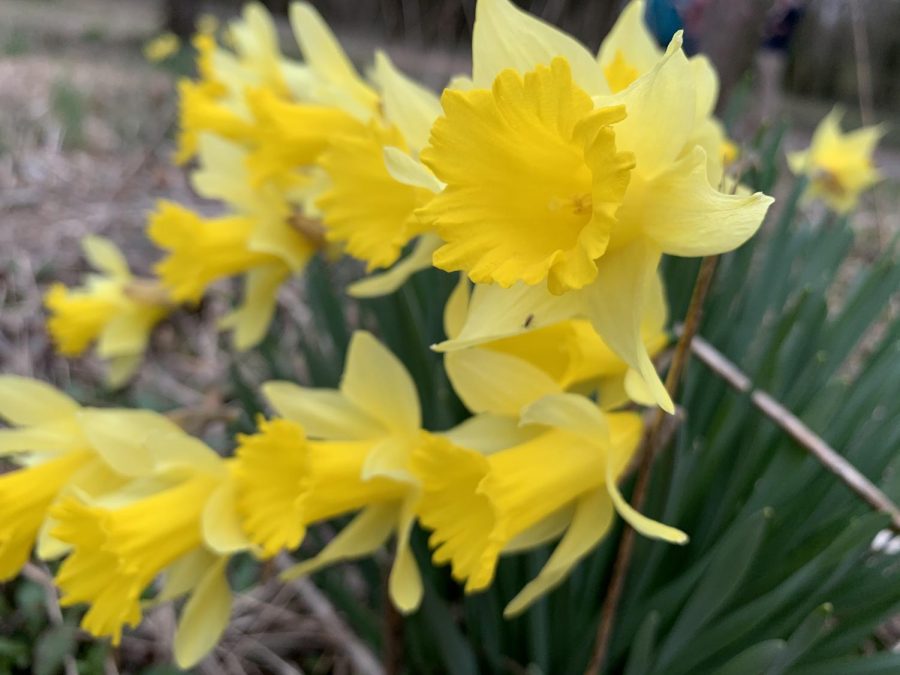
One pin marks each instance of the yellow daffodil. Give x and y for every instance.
(333, 453)
(62, 449)
(839, 165)
(258, 239)
(532, 188)
(113, 308)
(178, 518)
(161, 47)
(666, 203)
(480, 506)
(376, 183)
(501, 376)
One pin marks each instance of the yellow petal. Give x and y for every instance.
(204, 617)
(533, 179)
(641, 523)
(222, 530)
(487, 433)
(128, 333)
(496, 312)
(408, 105)
(504, 36)
(376, 382)
(28, 402)
(251, 320)
(630, 40)
(489, 381)
(365, 209)
(570, 412)
(186, 573)
(549, 529)
(176, 451)
(389, 458)
(590, 523)
(120, 437)
(457, 308)
(120, 369)
(405, 582)
(387, 282)
(323, 413)
(661, 111)
(45, 438)
(404, 169)
(366, 533)
(327, 59)
(615, 305)
(104, 256)
(684, 215)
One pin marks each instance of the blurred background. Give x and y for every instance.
(86, 140)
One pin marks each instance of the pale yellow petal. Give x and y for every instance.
(186, 573)
(204, 617)
(615, 303)
(104, 256)
(120, 437)
(366, 533)
(570, 412)
(323, 413)
(637, 389)
(496, 312)
(661, 109)
(684, 215)
(387, 282)
(547, 530)
(494, 382)
(222, 530)
(590, 523)
(405, 582)
(44, 438)
(641, 523)
(128, 333)
(405, 169)
(178, 452)
(457, 308)
(408, 105)
(504, 36)
(28, 402)
(487, 433)
(250, 321)
(376, 381)
(389, 458)
(120, 369)
(325, 56)
(630, 38)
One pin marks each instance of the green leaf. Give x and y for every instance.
(731, 560)
(803, 638)
(756, 659)
(640, 658)
(52, 648)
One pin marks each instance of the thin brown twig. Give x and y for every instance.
(652, 444)
(790, 423)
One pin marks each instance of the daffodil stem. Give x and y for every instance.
(651, 446)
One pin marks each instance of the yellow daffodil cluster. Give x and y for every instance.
(553, 180)
(125, 497)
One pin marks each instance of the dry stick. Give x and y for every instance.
(801, 433)
(651, 445)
